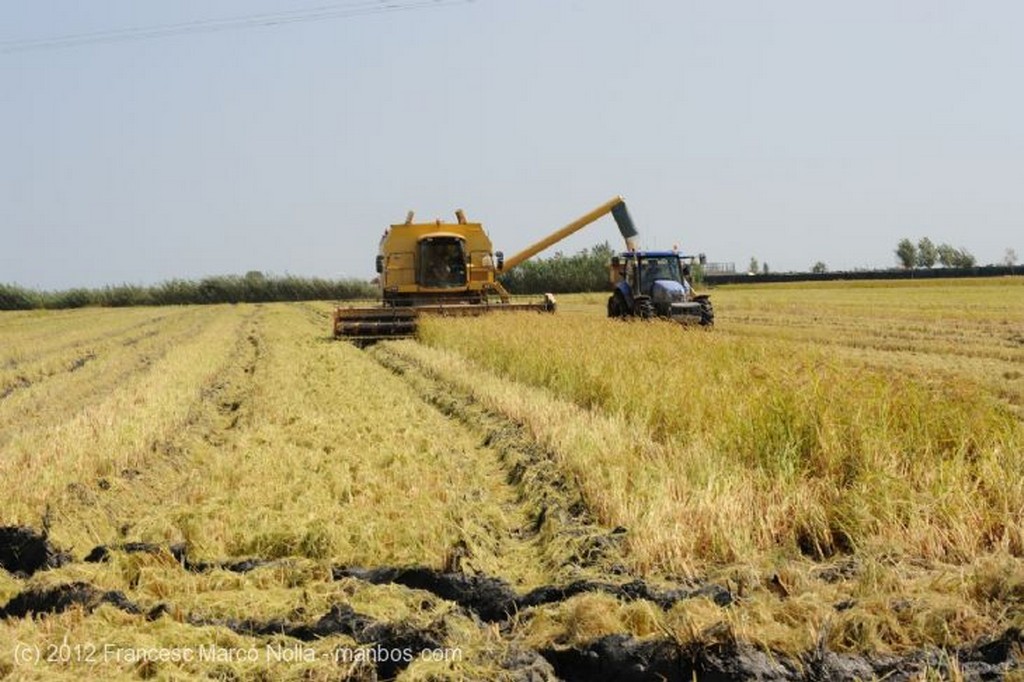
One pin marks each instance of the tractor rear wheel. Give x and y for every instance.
(616, 305)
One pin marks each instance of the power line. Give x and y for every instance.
(339, 10)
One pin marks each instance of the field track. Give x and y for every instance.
(506, 495)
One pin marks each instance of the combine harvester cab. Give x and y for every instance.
(449, 269)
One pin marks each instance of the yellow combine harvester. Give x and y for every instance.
(450, 269)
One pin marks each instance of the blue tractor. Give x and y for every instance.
(657, 284)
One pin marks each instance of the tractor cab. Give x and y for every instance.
(644, 269)
(654, 268)
(656, 284)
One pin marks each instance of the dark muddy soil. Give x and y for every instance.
(61, 598)
(493, 599)
(393, 645)
(24, 551)
(620, 658)
(611, 658)
(384, 640)
(102, 553)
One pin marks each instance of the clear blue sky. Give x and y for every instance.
(789, 131)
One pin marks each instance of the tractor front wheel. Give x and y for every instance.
(644, 309)
(707, 313)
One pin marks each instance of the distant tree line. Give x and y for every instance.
(925, 254)
(561, 274)
(875, 275)
(253, 287)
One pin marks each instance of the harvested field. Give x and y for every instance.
(828, 485)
